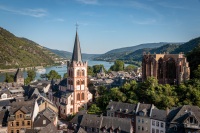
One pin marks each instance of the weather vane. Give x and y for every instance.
(77, 26)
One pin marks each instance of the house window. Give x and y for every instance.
(28, 123)
(78, 97)
(157, 123)
(162, 124)
(17, 131)
(71, 102)
(17, 123)
(161, 131)
(157, 130)
(71, 110)
(82, 96)
(139, 120)
(11, 124)
(138, 127)
(142, 120)
(153, 123)
(142, 128)
(153, 130)
(22, 123)
(12, 131)
(44, 122)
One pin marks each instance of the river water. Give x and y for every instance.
(63, 69)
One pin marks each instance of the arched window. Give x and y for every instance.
(160, 68)
(78, 82)
(78, 73)
(82, 96)
(83, 82)
(171, 70)
(78, 97)
(83, 73)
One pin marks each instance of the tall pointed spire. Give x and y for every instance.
(76, 56)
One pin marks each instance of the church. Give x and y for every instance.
(75, 96)
(167, 68)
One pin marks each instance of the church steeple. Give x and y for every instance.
(76, 56)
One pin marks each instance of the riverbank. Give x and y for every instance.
(22, 69)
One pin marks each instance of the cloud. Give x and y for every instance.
(27, 12)
(88, 2)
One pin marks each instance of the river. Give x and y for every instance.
(63, 69)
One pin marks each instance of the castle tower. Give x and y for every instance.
(77, 78)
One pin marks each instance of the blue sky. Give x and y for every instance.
(103, 24)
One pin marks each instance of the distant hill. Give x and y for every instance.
(21, 52)
(121, 52)
(68, 55)
(188, 46)
(137, 55)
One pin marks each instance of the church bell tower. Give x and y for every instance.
(77, 78)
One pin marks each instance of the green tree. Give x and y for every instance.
(31, 74)
(65, 75)
(94, 109)
(194, 60)
(118, 66)
(129, 68)
(197, 72)
(9, 78)
(53, 75)
(96, 68)
(90, 71)
(102, 90)
(27, 80)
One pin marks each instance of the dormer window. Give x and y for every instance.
(141, 113)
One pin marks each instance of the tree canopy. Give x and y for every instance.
(118, 66)
(53, 75)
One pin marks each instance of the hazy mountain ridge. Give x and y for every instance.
(137, 55)
(122, 52)
(68, 55)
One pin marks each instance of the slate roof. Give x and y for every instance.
(24, 106)
(146, 108)
(122, 107)
(181, 113)
(76, 56)
(50, 128)
(81, 130)
(100, 122)
(64, 94)
(89, 120)
(4, 103)
(160, 115)
(78, 117)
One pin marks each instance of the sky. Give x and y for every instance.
(103, 24)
